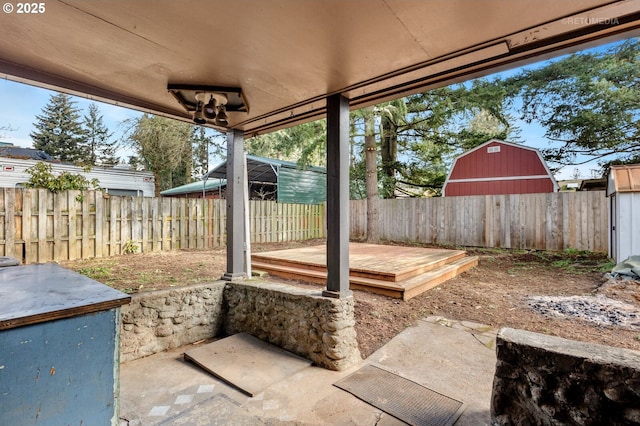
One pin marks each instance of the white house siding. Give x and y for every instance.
(114, 180)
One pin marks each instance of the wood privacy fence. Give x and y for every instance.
(553, 221)
(39, 226)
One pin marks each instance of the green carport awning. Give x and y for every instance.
(205, 185)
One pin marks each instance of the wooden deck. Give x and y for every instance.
(396, 271)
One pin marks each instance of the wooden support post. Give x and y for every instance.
(337, 197)
(235, 207)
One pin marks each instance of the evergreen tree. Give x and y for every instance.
(304, 144)
(202, 146)
(100, 150)
(135, 162)
(59, 130)
(206, 143)
(588, 104)
(411, 141)
(371, 174)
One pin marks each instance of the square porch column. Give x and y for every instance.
(235, 207)
(337, 197)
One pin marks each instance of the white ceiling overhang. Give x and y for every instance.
(287, 56)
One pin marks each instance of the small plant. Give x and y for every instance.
(562, 263)
(144, 277)
(572, 251)
(96, 272)
(606, 267)
(130, 247)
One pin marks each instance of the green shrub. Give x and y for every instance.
(41, 176)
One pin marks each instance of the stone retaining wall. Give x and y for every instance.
(298, 320)
(547, 380)
(156, 321)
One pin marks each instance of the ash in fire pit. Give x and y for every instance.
(597, 309)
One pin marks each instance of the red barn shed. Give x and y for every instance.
(498, 167)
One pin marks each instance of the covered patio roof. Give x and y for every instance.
(287, 56)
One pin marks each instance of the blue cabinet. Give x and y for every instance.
(59, 347)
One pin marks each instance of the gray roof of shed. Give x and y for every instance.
(260, 169)
(24, 153)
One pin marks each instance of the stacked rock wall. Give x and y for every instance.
(546, 380)
(156, 321)
(298, 320)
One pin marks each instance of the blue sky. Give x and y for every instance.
(20, 103)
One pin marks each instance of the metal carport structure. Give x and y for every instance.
(293, 61)
(294, 185)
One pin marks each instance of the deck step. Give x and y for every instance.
(428, 263)
(403, 289)
(418, 285)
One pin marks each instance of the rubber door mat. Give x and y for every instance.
(406, 400)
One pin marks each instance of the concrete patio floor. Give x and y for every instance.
(454, 358)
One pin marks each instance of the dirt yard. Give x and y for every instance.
(547, 292)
